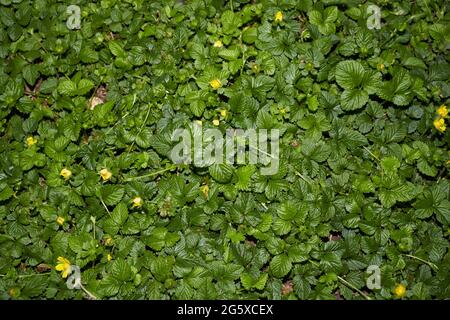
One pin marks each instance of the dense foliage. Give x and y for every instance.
(85, 121)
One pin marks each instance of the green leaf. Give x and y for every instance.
(221, 172)
(121, 270)
(280, 265)
(244, 176)
(84, 86)
(30, 74)
(67, 88)
(112, 195)
(354, 99)
(116, 219)
(349, 74)
(116, 49)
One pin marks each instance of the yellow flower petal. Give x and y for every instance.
(442, 111)
(59, 267)
(65, 173)
(439, 124)
(108, 241)
(63, 260)
(60, 221)
(279, 16)
(105, 174)
(63, 266)
(137, 202)
(399, 291)
(31, 141)
(205, 190)
(66, 272)
(215, 84)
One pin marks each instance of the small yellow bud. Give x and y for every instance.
(223, 113)
(108, 241)
(31, 141)
(65, 173)
(215, 84)
(400, 291)
(60, 220)
(204, 189)
(137, 202)
(439, 124)
(279, 16)
(442, 111)
(216, 122)
(105, 174)
(218, 44)
(109, 257)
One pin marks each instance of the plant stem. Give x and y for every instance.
(301, 176)
(104, 205)
(431, 264)
(345, 282)
(370, 152)
(93, 297)
(141, 128)
(151, 173)
(348, 284)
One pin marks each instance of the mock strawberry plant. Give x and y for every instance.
(358, 208)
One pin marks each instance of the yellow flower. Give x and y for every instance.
(65, 173)
(279, 16)
(380, 66)
(442, 111)
(105, 174)
(60, 220)
(216, 122)
(137, 202)
(109, 257)
(108, 241)
(31, 141)
(223, 113)
(218, 44)
(399, 291)
(439, 124)
(204, 189)
(215, 84)
(63, 266)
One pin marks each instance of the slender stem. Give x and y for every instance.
(104, 205)
(123, 117)
(370, 152)
(301, 176)
(151, 173)
(431, 264)
(348, 284)
(28, 275)
(93, 297)
(140, 129)
(262, 151)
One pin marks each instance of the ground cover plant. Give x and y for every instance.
(93, 207)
